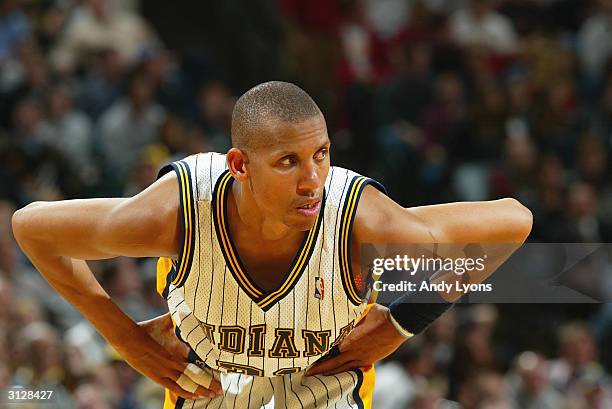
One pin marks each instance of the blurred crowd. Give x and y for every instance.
(462, 361)
(440, 100)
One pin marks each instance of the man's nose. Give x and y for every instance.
(310, 180)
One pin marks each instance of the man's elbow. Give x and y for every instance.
(520, 221)
(20, 221)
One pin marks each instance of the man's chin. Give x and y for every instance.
(301, 223)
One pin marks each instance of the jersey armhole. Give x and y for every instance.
(166, 272)
(356, 186)
(187, 222)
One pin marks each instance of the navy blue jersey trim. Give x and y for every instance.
(349, 210)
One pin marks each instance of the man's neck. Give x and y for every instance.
(244, 215)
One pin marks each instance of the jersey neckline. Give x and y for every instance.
(264, 299)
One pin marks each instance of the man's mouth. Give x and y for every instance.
(309, 205)
(309, 209)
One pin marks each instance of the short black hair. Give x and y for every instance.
(273, 100)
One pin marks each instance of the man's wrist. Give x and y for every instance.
(400, 330)
(415, 311)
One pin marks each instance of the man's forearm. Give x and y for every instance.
(495, 230)
(494, 256)
(74, 280)
(495, 221)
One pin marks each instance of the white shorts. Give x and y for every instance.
(347, 390)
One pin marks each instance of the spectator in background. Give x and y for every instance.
(14, 28)
(28, 129)
(399, 107)
(473, 353)
(440, 336)
(445, 121)
(583, 221)
(311, 29)
(592, 390)
(519, 94)
(90, 396)
(215, 115)
(41, 169)
(592, 162)
(387, 17)
(127, 382)
(402, 379)
(492, 389)
(123, 281)
(101, 85)
(70, 132)
(405, 95)
(52, 21)
(42, 362)
(431, 399)
(555, 128)
(601, 121)
(529, 384)
(520, 160)
(26, 76)
(578, 354)
(445, 6)
(98, 26)
(478, 25)
(446, 128)
(144, 173)
(173, 136)
(128, 126)
(551, 190)
(363, 57)
(488, 132)
(162, 70)
(594, 45)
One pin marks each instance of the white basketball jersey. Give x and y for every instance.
(232, 324)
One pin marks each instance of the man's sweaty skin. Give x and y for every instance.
(58, 236)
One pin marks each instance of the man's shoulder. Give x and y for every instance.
(193, 162)
(343, 176)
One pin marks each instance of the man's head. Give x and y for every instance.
(280, 152)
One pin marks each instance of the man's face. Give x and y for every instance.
(287, 173)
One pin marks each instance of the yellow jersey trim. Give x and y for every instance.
(187, 212)
(346, 224)
(263, 299)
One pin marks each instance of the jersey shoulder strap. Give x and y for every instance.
(345, 187)
(196, 175)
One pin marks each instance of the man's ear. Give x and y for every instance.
(237, 160)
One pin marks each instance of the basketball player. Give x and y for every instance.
(259, 263)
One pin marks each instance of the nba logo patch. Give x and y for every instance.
(319, 288)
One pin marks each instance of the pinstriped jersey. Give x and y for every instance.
(231, 323)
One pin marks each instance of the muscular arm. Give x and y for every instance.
(59, 236)
(379, 219)
(498, 227)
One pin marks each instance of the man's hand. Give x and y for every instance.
(161, 330)
(372, 339)
(166, 362)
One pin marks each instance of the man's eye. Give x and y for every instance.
(287, 161)
(322, 154)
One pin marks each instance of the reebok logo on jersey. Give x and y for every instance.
(319, 288)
